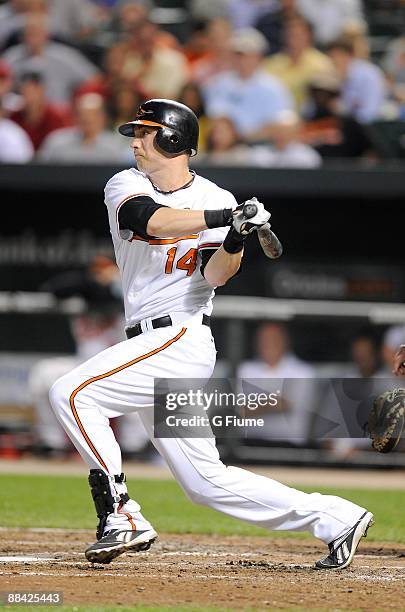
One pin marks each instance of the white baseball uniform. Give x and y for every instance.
(162, 277)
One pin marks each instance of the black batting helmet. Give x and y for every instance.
(177, 125)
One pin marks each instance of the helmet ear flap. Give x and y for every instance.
(169, 141)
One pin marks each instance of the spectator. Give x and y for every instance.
(287, 150)
(100, 287)
(224, 147)
(87, 143)
(329, 17)
(219, 56)
(276, 358)
(272, 24)
(394, 65)
(64, 68)
(246, 13)
(197, 46)
(123, 15)
(393, 338)
(363, 88)
(130, 13)
(158, 71)
(365, 355)
(110, 81)
(278, 368)
(325, 129)
(15, 145)
(365, 364)
(24, 9)
(127, 17)
(252, 99)
(394, 59)
(39, 117)
(204, 10)
(70, 20)
(73, 20)
(191, 96)
(12, 18)
(121, 105)
(299, 62)
(355, 33)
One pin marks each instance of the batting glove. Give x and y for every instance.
(249, 216)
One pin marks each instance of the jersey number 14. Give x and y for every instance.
(188, 262)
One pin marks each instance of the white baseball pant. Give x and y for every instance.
(120, 379)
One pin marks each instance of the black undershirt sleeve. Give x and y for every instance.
(206, 255)
(135, 214)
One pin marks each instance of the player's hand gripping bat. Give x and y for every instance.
(269, 242)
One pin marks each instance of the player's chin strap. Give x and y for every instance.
(106, 495)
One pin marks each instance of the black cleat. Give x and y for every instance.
(342, 550)
(118, 541)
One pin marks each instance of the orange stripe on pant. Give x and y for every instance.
(106, 375)
(127, 514)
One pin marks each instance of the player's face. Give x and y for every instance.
(146, 155)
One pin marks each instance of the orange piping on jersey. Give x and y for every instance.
(154, 241)
(171, 240)
(134, 195)
(210, 245)
(135, 237)
(106, 375)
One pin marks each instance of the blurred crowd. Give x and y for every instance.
(320, 405)
(275, 83)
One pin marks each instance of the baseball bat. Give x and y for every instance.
(269, 242)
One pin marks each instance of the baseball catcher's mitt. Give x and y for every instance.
(386, 420)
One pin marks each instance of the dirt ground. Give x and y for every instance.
(232, 572)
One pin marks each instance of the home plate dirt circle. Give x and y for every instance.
(229, 572)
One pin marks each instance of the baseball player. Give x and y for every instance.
(176, 237)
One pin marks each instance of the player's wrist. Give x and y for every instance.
(233, 242)
(218, 218)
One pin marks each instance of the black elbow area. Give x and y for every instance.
(206, 256)
(135, 213)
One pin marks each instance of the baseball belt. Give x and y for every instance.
(165, 321)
